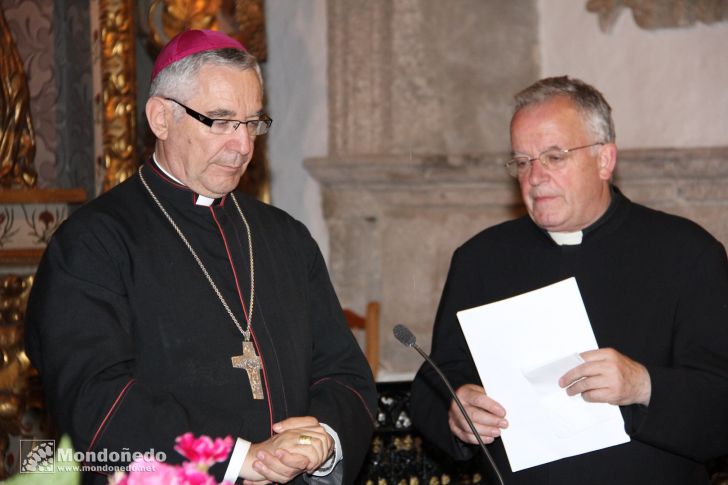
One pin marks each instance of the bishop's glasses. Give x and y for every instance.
(255, 127)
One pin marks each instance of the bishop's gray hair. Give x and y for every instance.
(179, 80)
(595, 109)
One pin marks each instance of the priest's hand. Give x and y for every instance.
(609, 376)
(300, 445)
(487, 415)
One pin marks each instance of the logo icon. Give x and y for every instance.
(37, 456)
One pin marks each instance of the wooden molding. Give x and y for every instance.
(20, 257)
(41, 196)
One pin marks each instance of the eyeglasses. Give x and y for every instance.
(552, 159)
(256, 127)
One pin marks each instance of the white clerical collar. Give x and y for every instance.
(201, 199)
(205, 201)
(567, 238)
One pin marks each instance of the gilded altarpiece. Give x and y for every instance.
(70, 127)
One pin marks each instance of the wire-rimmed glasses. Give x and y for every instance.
(552, 159)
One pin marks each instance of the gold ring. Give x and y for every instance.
(304, 439)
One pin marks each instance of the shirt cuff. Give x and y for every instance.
(335, 458)
(237, 458)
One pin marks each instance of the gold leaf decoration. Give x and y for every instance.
(17, 138)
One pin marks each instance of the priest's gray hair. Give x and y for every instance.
(595, 109)
(179, 80)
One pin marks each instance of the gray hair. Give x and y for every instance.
(596, 111)
(179, 80)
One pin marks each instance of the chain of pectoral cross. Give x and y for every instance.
(249, 361)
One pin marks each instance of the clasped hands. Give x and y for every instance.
(605, 376)
(299, 445)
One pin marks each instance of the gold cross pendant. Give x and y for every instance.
(251, 363)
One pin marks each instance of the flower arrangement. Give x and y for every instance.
(201, 454)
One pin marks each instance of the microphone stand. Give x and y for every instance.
(406, 337)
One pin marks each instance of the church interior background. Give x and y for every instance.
(391, 128)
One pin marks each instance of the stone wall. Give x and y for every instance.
(394, 221)
(413, 90)
(393, 225)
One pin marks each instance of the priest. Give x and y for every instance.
(174, 303)
(654, 285)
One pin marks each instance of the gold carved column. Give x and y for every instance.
(115, 90)
(17, 141)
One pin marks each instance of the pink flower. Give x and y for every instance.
(203, 449)
(149, 472)
(202, 453)
(194, 475)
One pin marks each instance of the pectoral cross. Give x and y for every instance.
(251, 363)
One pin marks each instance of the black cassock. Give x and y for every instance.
(134, 347)
(655, 287)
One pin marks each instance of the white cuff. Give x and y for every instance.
(237, 458)
(328, 466)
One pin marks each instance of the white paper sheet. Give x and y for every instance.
(521, 346)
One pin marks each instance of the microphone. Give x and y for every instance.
(407, 338)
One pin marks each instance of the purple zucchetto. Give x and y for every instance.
(191, 42)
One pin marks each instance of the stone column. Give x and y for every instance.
(426, 76)
(419, 91)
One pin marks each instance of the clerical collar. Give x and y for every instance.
(567, 238)
(199, 198)
(575, 238)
